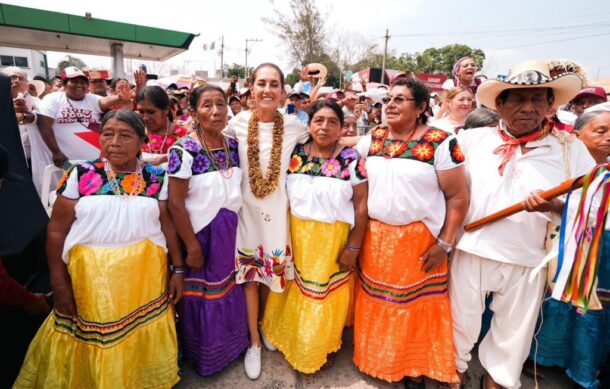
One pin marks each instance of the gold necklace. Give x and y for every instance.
(260, 185)
(159, 150)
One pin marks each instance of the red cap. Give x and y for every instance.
(591, 91)
(72, 72)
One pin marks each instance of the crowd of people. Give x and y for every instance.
(198, 224)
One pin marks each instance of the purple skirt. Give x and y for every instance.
(213, 322)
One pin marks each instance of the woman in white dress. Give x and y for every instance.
(266, 139)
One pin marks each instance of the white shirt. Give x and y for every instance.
(406, 190)
(76, 124)
(444, 124)
(518, 239)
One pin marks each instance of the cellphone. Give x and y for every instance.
(361, 99)
(290, 108)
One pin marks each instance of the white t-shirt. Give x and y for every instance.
(404, 189)
(76, 124)
(444, 124)
(518, 239)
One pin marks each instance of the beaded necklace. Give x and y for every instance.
(138, 186)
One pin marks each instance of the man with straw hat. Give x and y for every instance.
(505, 165)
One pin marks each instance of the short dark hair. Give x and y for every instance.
(128, 117)
(64, 81)
(116, 81)
(325, 103)
(420, 92)
(481, 117)
(268, 65)
(197, 92)
(304, 95)
(41, 78)
(503, 96)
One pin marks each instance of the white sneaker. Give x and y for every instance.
(252, 362)
(268, 345)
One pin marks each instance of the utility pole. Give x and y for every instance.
(222, 52)
(385, 54)
(246, 61)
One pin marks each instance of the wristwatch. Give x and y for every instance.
(446, 246)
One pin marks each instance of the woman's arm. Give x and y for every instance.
(45, 126)
(455, 189)
(61, 221)
(178, 188)
(347, 260)
(176, 281)
(122, 97)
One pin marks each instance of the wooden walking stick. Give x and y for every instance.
(563, 188)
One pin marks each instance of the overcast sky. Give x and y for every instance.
(508, 32)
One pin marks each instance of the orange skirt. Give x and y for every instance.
(402, 324)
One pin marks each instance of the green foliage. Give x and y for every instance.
(432, 60)
(238, 70)
(71, 61)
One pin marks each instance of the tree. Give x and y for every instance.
(441, 60)
(238, 70)
(303, 30)
(71, 61)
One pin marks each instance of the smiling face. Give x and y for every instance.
(461, 104)
(19, 84)
(467, 70)
(267, 89)
(76, 88)
(235, 106)
(524, 109)
(324, 127)
(211, 113)
(154, 118)
(120, 143)
(401, 110)
(596, 136)
(350, 127)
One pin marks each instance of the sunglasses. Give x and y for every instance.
(398, 100)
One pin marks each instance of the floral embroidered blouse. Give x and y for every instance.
(403, 182)
(106, 219)
(209, 189)
(320, 189)
(159, 144)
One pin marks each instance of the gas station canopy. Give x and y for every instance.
(46, 30)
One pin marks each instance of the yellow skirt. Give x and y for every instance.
(306, 321)
(124, 335)
(402, 321)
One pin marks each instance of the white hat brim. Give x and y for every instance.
(565, 87)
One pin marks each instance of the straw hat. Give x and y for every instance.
(38, 85)
(531, 74)
(316, 70)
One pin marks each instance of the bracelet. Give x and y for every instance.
(352, 249)
(446, 246)
(180, 269)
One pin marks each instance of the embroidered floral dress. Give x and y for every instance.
(264, 252)
(124, 332)
(212, 312)
(402, 324)
(306, 321)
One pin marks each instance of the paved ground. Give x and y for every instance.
(277, 374)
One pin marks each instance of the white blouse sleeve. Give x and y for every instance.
(448, 154)
(180, 162)
(163, 194)
(69, 188)
(357, 171)
(363, 146)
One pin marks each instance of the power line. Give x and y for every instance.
(553, 41)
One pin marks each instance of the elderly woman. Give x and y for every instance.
(576, 341)
(417, 200)
(327, 189)
(153, 103)
(113, 321)
(69, 120)
(264, 255)
(463, 73)
(459, 105)
(204, 198)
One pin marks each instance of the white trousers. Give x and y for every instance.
(516, 302)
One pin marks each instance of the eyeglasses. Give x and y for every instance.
(398, 100)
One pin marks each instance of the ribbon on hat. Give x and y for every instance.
(507, 149)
